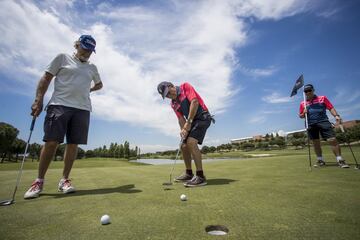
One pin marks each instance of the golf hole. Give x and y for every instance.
(217, 230)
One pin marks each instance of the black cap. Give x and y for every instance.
(163, 88)
(308, 87)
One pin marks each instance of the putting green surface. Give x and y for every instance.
(257, 198)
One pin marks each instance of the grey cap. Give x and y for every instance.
(163, 88)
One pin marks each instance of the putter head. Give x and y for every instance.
(6, 202)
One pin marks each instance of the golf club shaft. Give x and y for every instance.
(177, 155)
(24, 156)
(348, 143)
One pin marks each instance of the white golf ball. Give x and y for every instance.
(183, 197)
(105, 219)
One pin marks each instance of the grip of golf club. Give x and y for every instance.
(32, 123)
(342, 128)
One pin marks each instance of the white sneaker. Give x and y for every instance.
(65, 186)
(34, 190)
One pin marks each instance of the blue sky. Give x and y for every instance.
(243, 57)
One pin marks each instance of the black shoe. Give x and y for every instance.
(183, 177)
(320, 163)
(196, 181)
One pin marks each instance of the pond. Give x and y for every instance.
(171, 161)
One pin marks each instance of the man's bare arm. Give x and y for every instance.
(41, 89)
(96, 87)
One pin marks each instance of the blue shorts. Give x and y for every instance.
(69, 121)
(325, 129)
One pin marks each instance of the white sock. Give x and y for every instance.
(320, 158)
(40, 180)
(339, 158)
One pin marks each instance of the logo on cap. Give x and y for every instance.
(87, 42)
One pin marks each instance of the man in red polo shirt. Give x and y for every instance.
(194, 119)
(318, 124)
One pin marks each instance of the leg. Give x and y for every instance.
(69, 158)
(199, 179)
(335, 147)
(192, 144)
(188, 174)
(317, 147)
(186, 156)
(46, 155)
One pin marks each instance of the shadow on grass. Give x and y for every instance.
(121, 189)
(219, 181)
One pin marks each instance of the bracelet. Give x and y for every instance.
(189, 120)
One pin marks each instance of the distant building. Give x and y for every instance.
(240, 140)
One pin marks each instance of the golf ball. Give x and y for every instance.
(105, 219)
(183, 197)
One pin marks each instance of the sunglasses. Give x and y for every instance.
(309, 90)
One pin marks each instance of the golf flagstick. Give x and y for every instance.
(348, 143)
(11, 201)
(307, 128)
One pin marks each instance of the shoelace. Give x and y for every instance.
(193, 178)
(35, 185)
(67, 183)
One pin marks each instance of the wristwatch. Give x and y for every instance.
(189, 120)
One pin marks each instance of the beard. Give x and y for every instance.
(83, 58)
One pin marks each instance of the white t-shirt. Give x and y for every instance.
(72, 81)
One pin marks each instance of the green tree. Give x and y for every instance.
(126, 149)
(90, 153)
(205, 149)
(17, 147)
(59, 152)
(8, 134)
(80, 153)
(34, 150)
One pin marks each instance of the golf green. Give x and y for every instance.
(257, 198)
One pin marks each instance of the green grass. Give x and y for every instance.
(256, 198)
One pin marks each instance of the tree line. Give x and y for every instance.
(268, 142)
(12, 147)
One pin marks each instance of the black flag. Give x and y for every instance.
(298, 84)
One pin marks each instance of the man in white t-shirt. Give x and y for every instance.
(68, 111)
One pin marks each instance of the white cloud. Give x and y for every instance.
(349, 111)
(137, 48)
(272, 9)
(261, 118)
(276, 98)
(258, 72)
(346, 95)
(30, 38)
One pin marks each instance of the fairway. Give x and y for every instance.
(257, 198)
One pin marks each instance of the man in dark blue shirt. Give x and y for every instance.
(318, 124)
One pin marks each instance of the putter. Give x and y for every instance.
(11, 201)
(172, 170)
(343, 131)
